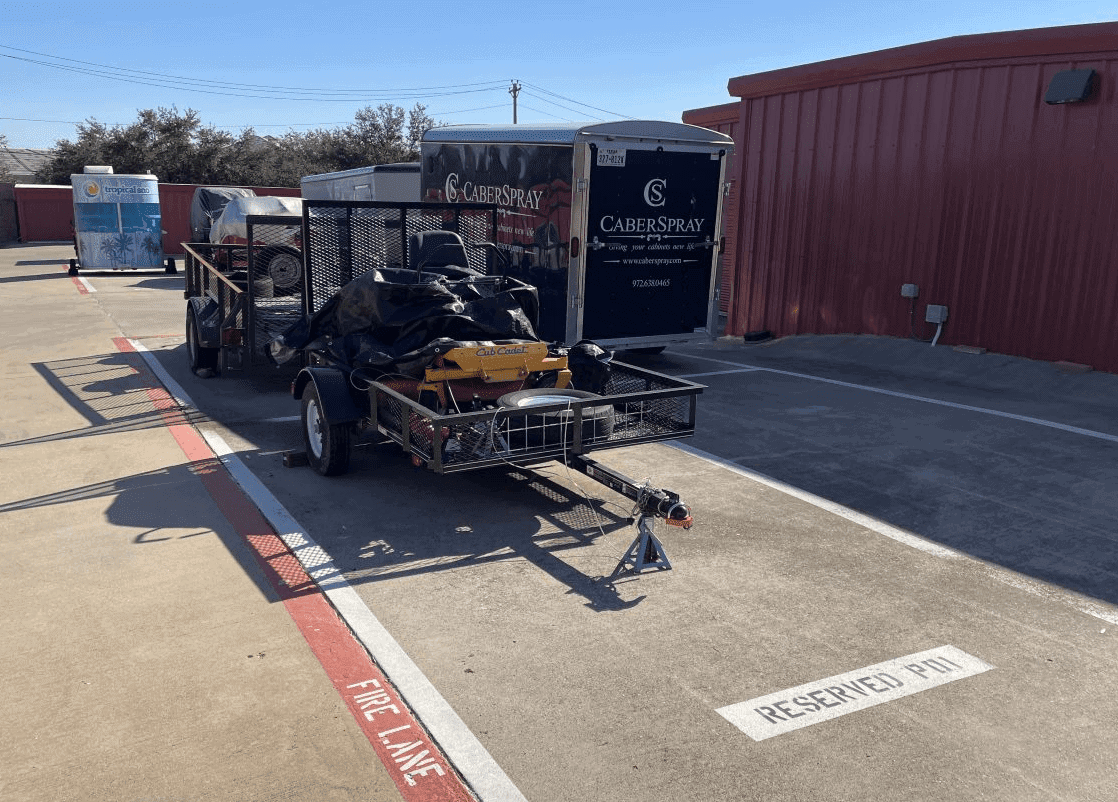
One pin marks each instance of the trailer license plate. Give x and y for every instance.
(611, 157)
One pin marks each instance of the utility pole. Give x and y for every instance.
(514, 90)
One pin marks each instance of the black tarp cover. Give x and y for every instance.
(207, 204)
(394, 320)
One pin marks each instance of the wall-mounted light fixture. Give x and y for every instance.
(1070, 86)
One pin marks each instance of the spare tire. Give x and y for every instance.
(538, 429)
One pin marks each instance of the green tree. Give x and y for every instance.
(5, 176)
(177, 148)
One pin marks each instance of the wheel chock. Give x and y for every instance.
(295, 459)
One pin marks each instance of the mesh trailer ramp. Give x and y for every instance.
(466, 402)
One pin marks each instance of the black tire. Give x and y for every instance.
(199, 356)
(327, 445)
(284, 266)
(170, 268)
(538, 429)
(73, 271)
(263, 287)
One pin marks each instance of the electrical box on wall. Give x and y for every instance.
(909, 290)
(936, 314)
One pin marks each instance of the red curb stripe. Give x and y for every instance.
(80, 286)
(417, 766)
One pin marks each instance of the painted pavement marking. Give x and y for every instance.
(827, 699)
(378, 692)
(1113, 438)
(84, 287)
(1034, 587)
(717, 373)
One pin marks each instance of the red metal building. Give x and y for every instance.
(939, 164)
(46, 213)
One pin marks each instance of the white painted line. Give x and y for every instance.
(88, 287)
(1034, 587)
(873, 524)
(717, 373)
(719, 361)
(908, 396)
(997, 413)
(173, 387)
(461, 746)
(827, 699)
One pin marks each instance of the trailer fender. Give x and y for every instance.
(333, 390)
(208, 315)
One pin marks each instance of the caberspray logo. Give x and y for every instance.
(654, 192)
(509, 197)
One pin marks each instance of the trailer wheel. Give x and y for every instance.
(327, 444)
(200, 357)
(537, 429)
(284, 267)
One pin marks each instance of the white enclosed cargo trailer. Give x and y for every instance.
(617, 224)
(394, 183)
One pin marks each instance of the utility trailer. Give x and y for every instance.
(233, 307)
(395, 183)
(472, 387)
(617, 224)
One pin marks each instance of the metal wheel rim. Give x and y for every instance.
(192, 342)
(285, 270)
(314, 429)
(542, 400)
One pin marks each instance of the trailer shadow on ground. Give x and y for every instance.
(386, 520)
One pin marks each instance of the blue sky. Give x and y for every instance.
(278, 66)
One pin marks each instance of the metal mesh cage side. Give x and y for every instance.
(275, 267)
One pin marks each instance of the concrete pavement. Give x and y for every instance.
(145, 653)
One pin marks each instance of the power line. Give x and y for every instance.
(548, 113)
(174, 84)
(572, 100)
(582, 114)
(239, 86)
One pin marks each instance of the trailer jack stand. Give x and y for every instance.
(646, 552)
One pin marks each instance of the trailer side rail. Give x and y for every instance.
(637, 406)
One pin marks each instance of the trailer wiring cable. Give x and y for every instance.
(570, 477)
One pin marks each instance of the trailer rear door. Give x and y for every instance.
(650, 241)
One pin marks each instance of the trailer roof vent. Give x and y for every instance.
(1070, 86)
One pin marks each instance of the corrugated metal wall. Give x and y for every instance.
(953, 176)
(46, 213)
(724, 119)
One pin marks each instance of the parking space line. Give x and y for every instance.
(717, 373)
(84, 287)
(910, 397)
(1031, 586)
(465, 752)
